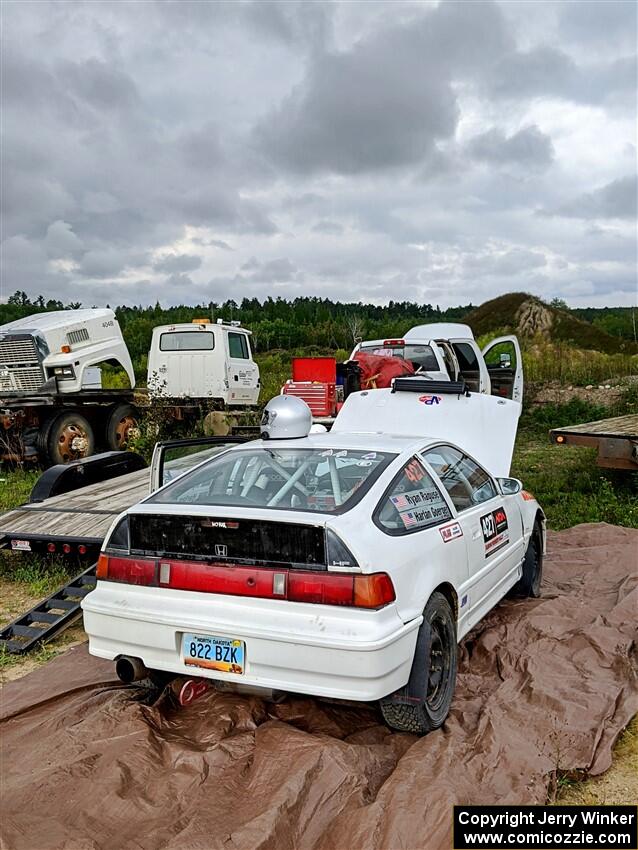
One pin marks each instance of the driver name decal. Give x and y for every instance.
(495, 531)
(430, 399)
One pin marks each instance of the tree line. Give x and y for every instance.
(276, 323)
(310, 323)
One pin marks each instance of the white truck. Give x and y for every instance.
(53, 408)
(449, 352)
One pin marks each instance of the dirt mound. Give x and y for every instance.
(527, 316)
(533, 318)
(545, 686)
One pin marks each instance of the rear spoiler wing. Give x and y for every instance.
(423, 385)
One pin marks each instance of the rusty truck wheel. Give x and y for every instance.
(66, 437)
(121, 425)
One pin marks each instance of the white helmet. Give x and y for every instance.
(285, 417)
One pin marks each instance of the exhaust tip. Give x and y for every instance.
(129, 670)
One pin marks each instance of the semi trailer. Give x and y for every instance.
(54, 409)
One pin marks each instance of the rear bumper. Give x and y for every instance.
(320, 650)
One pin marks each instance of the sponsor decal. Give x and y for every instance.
(451, 532)
(464, 601)
(218, 523)
(430, 399)
(20, 545)
(495, 531)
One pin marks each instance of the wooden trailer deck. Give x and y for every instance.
(82, 515)
(616, 440)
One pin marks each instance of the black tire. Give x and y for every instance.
(529, 584)
(121, 420)
(438, 685)
(65, 437)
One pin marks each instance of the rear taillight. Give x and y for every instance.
(323, 588)
(127, 570)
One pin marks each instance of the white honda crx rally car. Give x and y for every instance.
(344, 564)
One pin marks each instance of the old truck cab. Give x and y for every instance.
(203, 360)
(57, 351)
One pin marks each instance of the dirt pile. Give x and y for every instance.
(533, 318)
(544, 686)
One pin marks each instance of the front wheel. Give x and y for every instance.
(529, 584)
(438, 684)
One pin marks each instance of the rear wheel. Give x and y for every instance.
(529, 584)
(438, 683)
(66, 437)
(120, 425)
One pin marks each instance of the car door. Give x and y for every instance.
(428, 545)
(172, 458)
(491, 523)
(505, 367)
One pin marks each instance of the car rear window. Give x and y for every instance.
(421, 356)
(329, 480)
(412, 502)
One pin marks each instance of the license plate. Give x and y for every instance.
(214, 653)
(21, 545)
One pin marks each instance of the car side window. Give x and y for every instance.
(412, 502)
(466, 482)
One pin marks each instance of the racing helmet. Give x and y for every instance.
(285, 417)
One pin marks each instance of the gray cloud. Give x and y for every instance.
(617, 199)
(186, 150)
(386, 101)
(177, 263)
(529, 147)
(549, 71)
(330, 228)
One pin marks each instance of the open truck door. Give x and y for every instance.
(505, 367)
(174, 457)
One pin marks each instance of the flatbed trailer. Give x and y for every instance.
(71, 525)
(79, 518)
(616, 440)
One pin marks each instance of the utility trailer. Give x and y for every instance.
(54, 410)
(71, 509)
(616, 440)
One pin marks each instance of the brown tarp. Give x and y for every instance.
(543, 685)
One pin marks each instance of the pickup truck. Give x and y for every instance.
(449, 352)
(436, 352)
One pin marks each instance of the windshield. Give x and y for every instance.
(322, 480)
(421, 356)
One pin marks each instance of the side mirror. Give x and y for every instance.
(510, 486)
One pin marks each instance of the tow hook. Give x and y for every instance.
(191, 690)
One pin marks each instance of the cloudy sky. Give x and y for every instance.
(438, 152)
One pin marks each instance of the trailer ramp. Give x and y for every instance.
(49, 617)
